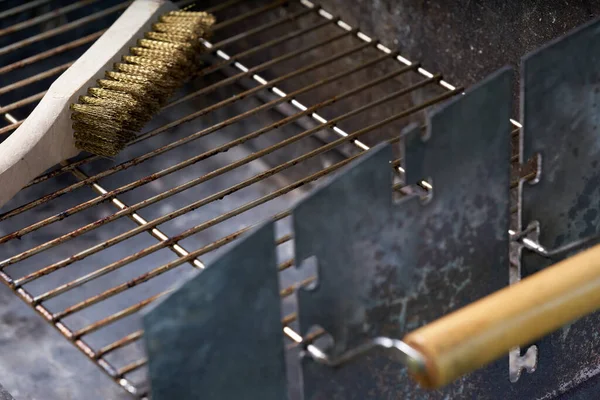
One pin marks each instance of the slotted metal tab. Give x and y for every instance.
(561, 123)
(219, 335)
(385, 268)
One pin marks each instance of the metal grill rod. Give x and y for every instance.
(14, 124)
(229, 145)
(284, 293)
(281, 144)
(22, 102)
(187, 118)
(198, 228)
(89, 38)
(220, 44)
(118, 315)
(134, 336)
(141, 279)
(52, 52)
(262, 46)
(261, 28)
(63, 28)
(45, 17)
(35, 78)
(126, 340)
(361, 35)
(202, 72)
(252, 13)
(23, 7)
(63, 67)
(194, 254)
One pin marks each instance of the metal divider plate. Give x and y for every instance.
(219, 335)
(561, 110)
(386, 268)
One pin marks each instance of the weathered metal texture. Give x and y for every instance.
(561, 109)
(385, 268)
(219, 335)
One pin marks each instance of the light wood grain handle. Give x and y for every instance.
(486, 330)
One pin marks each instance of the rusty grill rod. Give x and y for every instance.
(262, 46)
(202, 72)
(64, 28)
(118, 315)
(23, 7)
(52, 52)
(56, 241)
(205, 225)
(194, 254)
(61, 68)
(22, 102)
(187, 118)
(286, 329)
(35, 78)
(135, 336)
(45, 17)
(86, 39)
(126, 340)
(262, 28)
(284, 293)
(246, 72)
(224, 147)
(14, 124)
(256, 11)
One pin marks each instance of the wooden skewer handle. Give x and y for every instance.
(486, 330)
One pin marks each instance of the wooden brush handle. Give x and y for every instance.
(514, 316)
(46, 138)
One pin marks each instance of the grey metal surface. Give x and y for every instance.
(385, 268)
(465, 39)
(561, 94)
(218, 336)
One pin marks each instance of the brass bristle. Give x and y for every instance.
(113, 112)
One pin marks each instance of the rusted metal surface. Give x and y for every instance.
(10, 127)
(64, 28)
(265, 45)
(45, 17)
(52, 52)
(28, 100)
(385, 269)
(23, 7)
(35, 78)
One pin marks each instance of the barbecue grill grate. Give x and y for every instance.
(289, 94)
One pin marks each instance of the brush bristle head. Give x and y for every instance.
(113, 112)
